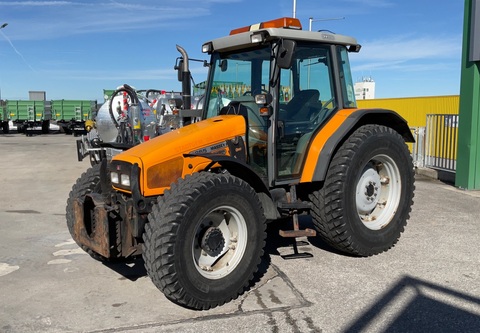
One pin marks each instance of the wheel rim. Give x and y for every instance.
(378, 192)
(220, 242)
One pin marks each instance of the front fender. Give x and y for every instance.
(238, 168)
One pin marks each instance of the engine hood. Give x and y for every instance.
(185, 140)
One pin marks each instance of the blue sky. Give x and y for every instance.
(75, 49)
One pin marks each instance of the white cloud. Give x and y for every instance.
(36, 20)
(407, 53)
(34, 3)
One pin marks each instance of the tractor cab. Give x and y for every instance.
(286, 83)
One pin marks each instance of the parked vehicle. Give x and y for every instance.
(4, 119)
(71, 115)
(127, 118)
(195, 201)
(29, 114)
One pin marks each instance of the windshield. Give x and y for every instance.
(237, 77)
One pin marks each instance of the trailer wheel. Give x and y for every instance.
(367, 196)
(88, 182)
(46, 127)
(204, 240)
(5, 127)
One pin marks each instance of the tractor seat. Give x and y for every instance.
(300, 106)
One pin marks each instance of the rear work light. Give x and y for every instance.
(284, 22)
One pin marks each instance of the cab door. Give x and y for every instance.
(306, 98)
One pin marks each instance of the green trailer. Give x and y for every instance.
(4, 126)
(107, 94)
(28, 115)
(4, 118)
(71, 115)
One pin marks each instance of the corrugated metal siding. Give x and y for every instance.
(415, 109)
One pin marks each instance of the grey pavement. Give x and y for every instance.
(430, 281)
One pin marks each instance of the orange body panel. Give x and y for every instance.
(185, 140)
(319, 141)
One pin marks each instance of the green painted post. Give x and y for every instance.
(468, 149)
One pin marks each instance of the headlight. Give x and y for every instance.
(114, 177)
(125, 180)
(120, 173)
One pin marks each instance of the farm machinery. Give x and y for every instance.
(127, 118)
(280, 135)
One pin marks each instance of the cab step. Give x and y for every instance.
(294, 206)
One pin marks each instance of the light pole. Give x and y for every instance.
(1, 27)
(311, 20)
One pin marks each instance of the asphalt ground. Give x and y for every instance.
(429, 282)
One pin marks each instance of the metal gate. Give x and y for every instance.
(441, 136)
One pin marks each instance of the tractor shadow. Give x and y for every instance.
(134, 268)
(289, 248)
(130, 269)
(282, 246)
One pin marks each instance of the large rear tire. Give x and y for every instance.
(204, 240)
(367, 196)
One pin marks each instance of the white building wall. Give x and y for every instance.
(365, 89)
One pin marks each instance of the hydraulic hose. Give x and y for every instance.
(130, 92)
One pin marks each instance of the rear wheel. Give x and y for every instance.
(204, 240)
(46, 126)
(366, 200)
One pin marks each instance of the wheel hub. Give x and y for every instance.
(213, 241)
(368, 191)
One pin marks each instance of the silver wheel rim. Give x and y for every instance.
(220, 242)
(378, 192)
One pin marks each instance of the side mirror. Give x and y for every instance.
(285, 53)
(223, 65)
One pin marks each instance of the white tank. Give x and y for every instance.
(106, 129)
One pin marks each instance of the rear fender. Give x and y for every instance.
(353, 121)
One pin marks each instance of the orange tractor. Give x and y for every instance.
(280, 135)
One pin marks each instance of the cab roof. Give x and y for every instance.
(283, 28)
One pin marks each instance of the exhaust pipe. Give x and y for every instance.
(185, 78)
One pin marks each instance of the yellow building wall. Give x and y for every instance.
(415, 109)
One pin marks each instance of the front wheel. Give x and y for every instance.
(204, 240)
(367, 196)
